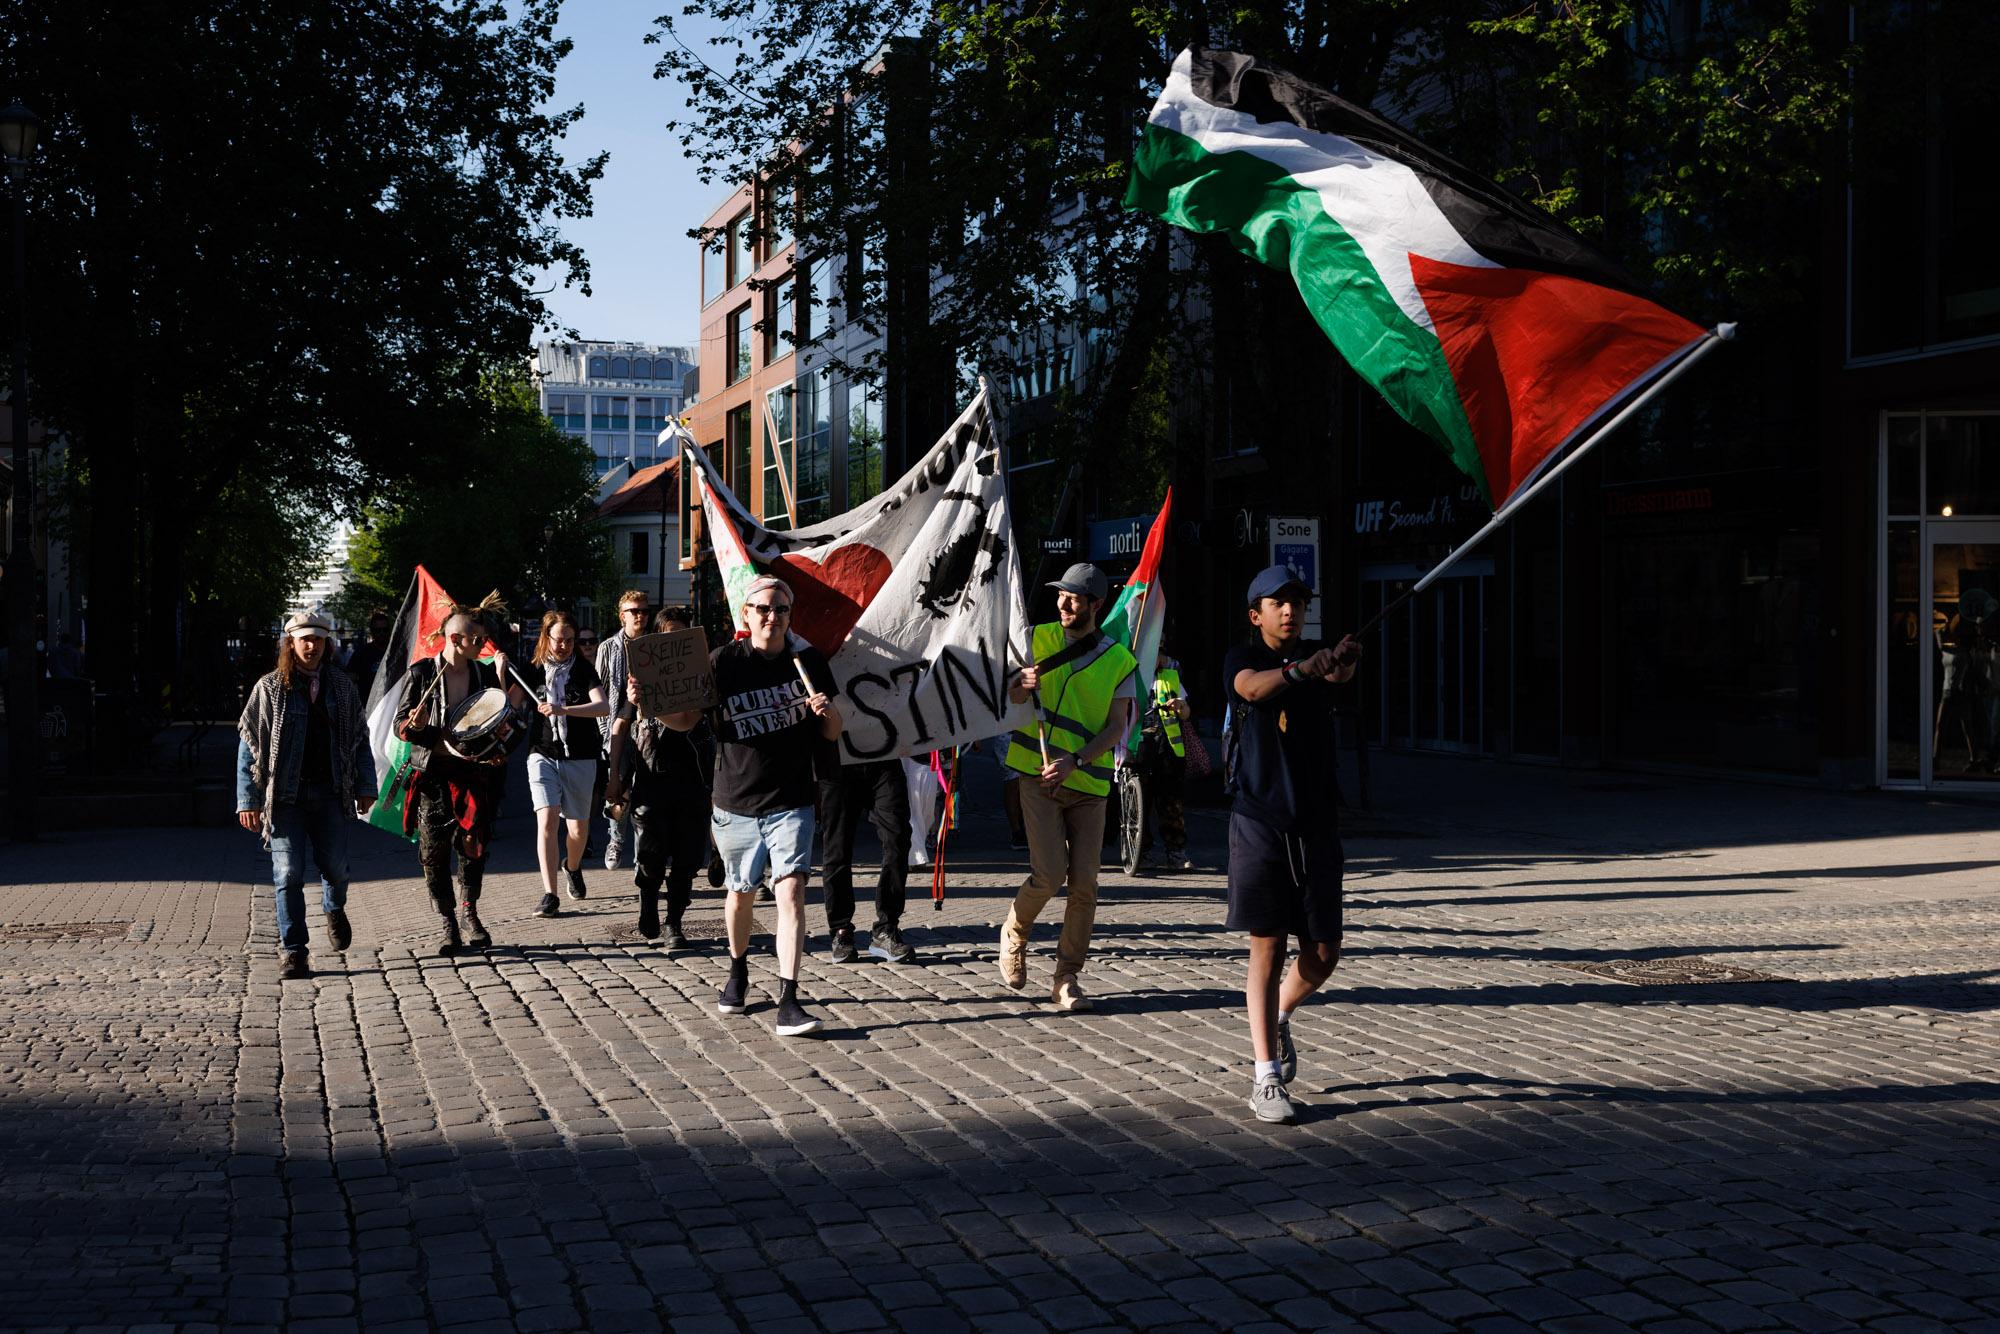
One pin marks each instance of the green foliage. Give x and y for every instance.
(1684, 139)
(481, 525)
(254, 549)
(276, 251)
(1685, 146)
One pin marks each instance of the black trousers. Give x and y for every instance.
(437, 829)
(877, 790)
(672, 845)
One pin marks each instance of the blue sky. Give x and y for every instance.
(644, 272)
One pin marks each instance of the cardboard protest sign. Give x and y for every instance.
(673, 672)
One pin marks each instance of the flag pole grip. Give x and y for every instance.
(1719, 334)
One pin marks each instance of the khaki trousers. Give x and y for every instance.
(1065, 843)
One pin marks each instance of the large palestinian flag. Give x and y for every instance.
(1483, 321)
(417, 633)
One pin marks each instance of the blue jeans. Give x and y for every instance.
(314, 826)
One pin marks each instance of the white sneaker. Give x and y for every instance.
(1271, 1103)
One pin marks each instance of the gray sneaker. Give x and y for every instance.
(1288, 1055)
(1271, 1103)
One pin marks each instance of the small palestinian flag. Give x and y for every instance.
(1139, 614)
(418, 633)
(732, 560)
(1484, 322)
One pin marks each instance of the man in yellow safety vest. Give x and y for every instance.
(1163, 769)
(1084, 685)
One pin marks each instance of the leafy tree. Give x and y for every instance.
(276, 253)
(483, 527)
(1685, 139)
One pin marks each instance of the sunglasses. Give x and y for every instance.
(767, 609)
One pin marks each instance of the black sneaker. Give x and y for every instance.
(548, 907)
(339, 930)
(675, 940)
(842, 948)
(887, 944)
(1288, 1055)
(734, 991)
(793, 1021)
(293, 967)
(576, 890)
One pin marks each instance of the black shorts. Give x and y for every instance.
(1283, 885)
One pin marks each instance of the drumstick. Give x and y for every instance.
(1042, 735)
(800, 663)
(424, 699)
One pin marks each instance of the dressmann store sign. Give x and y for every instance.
(1118, 539)
(1295, 542)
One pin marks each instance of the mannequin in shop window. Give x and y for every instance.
(1967, 700)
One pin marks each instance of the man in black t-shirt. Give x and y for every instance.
(1285, 857)
(775, 710)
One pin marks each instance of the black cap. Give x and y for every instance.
(1275, 579)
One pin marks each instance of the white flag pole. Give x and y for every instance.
(1721, 333)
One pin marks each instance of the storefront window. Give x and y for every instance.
(1903, 662)
(1712, 657)
(1963, 458)
(1905, 475)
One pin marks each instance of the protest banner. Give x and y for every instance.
(673, 672)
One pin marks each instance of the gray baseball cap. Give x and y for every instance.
(1085, 579)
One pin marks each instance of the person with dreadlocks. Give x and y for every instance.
(454, 799)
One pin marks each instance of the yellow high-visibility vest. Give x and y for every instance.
(1073, 702)
(1167, 689)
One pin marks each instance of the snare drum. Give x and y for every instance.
(477, 727)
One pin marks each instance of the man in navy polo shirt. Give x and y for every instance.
(1285, 857)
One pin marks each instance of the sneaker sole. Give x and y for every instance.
(886, 957)
(729, 1009)
(1280, 1120)
(795, 1030)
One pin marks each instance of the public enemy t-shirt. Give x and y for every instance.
(765, 733)
(1285, 774)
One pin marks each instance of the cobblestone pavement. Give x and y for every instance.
(565, 1134)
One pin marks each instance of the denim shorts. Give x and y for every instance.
(780, 842)
(566, 784)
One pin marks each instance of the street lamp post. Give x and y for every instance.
(18, 130)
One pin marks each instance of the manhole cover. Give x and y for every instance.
(696, 926)
(1670, 972)
(43, 931)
